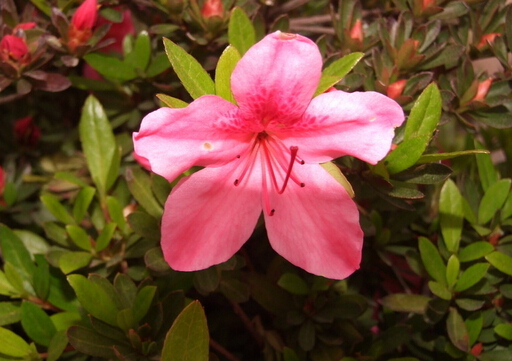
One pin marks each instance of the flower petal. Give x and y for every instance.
(207, 218)
(316, 227)
(276, 79)
(337, 123)
(172, 140)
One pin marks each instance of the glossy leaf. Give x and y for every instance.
(451, 215)
(91, 343)
(293, 284)
(485, 166)
(406, 154)
(188, 339)
(474, 324)
(82, 203)
(37, 324)
(425, 114)
(402, 302)
(471, 276)
(452, 270)
(424, 174)
(241, 33)
(475, 251)
(457, 331)
(105, 236)
(10, 312)
(110, 67)
(429, 158)
(336, 71)
(171, 102)
(139, 57)
(79, 237)
(53, 204)
(138, 181)
(57, 345)
(72, 261)
(225, 66)
(14, 252)
(432, 260)
(12, 345)
(494, 197)
(440, 290)
(504, 330)
(98, 142)
(501, 261)
(194, 78)
(91, 295)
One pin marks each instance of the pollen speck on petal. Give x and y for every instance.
(207, 146)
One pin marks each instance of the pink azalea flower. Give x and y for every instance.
(263, 155)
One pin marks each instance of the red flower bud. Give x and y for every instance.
(212, 8)
(482, 90)
(80, 28)
(477, 348)
(427, 4)
(24, 26)
(14, 48)
(486, 38)
(26, 132)
(356, 33)
(395, 89)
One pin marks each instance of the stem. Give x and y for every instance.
(313, 29)
(247, 323)
(217, 347)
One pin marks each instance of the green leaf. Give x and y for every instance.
(486, 171)
(79, 237)
(457, 331)
(494, 197)
(139, 57)
(71, 261)
(452, 270)
(406, 154)
(110, 67)
(207, 280)
(10, 312)
(307, 335)
(431, 173)
(116, 214)
(138, 183)
(501, 261)
(429, 158)
(451, 215)
(98, 143)
(290, 355)
(13, 345)
(171, 102)
(293, 284)
(154, 260)
(144, 225)
(336, 173)
(474, 324)
(53, 204)
(401, 302)
(241, 33)
(432, 260)
(90, 295)
(14, 252)
(142, 302)
(91, 343)
(57, 345)
(504, 330)
(336, 71)
(105, 236)
(475, 251)
(440, 290)
(471, 276)
(425, 114)
(42, 277)
(234, 290)
(188, 339)
(82, 202)
(225, 66)
(37, 324)
(194, 78)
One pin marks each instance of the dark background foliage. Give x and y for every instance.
(82, 276)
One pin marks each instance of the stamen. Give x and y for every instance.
(266, 201)
(249, 161)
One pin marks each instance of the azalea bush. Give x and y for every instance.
(256, 180)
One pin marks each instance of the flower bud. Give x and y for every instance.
(485, 39)
(482, 90)
(212, 8)
(13, 48)
(80, 28)
(396, 89)
(356, 33)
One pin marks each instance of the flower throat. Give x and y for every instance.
(275, 159)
